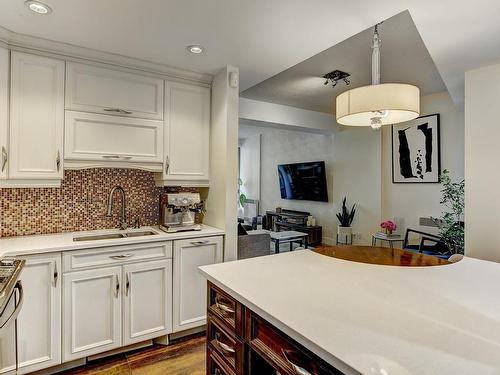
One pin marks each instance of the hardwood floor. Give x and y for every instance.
(182, 357)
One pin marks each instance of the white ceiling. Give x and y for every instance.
(404, 58)
(261, 37)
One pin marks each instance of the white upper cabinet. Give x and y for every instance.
(101, 138)
(4, 110)
(36, 118)
(186, 134)
(113, 92)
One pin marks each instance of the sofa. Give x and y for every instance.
(254, 244)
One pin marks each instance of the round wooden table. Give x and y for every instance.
(381, 255)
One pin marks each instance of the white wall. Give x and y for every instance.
(250, 156)
(412, 201)
(223, 193)
(287, 117)
(357, 175)
(289, 146)
(482, 172)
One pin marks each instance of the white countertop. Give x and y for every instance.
(36, 244)
(373, 319)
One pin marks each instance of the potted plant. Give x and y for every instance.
(345, 217)
(451, 224)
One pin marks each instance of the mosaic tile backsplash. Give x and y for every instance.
(80, 203)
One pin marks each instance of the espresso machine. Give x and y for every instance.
(178, 212)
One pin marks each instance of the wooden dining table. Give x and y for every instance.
(381, 256)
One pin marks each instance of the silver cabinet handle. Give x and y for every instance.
(4, 158)
(167, 164)
(297, 369)
(223, 306)
(123, 256)
(117, 286)
(117, 157)
(199, 243)
(118, 110)
(225, 348)
(55, 275)
(127, 283)
(58, 160)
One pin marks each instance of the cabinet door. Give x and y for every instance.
(93, 137)
(4, 110)
(187, 132)
(36, 117)
(147, 303)
(39, 322)
(114, 92)
(91, 312)
(190, 300)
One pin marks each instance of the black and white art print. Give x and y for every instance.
(416, 151)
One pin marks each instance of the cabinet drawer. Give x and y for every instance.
(101, 90)
(225, 344)
(115, 255)
(105, 138)
(280, 351)
(216, 366)
(226, 309)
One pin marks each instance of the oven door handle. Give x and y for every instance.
(17, 309)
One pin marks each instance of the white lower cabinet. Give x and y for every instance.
(39, 322)
(92, 315)
(107, 308)
(189, 286)
(147, 305)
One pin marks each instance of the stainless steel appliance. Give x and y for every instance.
(11, 299)
(178, 213)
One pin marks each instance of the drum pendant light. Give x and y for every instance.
(378, 104)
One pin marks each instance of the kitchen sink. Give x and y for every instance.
(111, 236)
(140, 234)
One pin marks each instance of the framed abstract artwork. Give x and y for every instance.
(416, 151)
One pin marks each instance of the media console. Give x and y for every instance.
(293, 220)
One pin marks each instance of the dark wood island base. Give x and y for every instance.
(241, 342)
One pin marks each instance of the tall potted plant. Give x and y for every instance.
(345, 217)
(451, 225)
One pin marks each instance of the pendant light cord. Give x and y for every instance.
(376, 42)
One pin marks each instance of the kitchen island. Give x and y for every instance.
(364, 318)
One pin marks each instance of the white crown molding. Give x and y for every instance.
(23, 42)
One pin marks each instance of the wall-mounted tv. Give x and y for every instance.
(303, 181)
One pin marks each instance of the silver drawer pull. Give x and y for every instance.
(225, 348)
(4, 158)
(118, 110)
(297, 369)
(123, 256)
(223, 307)
(199, 243)
(117, 157)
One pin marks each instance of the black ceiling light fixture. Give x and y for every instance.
(335, 76)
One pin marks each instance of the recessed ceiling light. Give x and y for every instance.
(38, 7)
(195, 48)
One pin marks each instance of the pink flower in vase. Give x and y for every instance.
(389, 226)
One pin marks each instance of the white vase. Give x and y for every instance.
(344, 234)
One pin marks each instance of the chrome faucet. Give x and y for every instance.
(123, 219)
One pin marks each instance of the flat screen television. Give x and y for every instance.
(303, 181)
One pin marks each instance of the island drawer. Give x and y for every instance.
(115, 255)
(226, 309)
(280, 351)
(228, 347)
(216, 366)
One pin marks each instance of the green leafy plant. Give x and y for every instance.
(451, 228)
(345, 216)
(242, 198)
